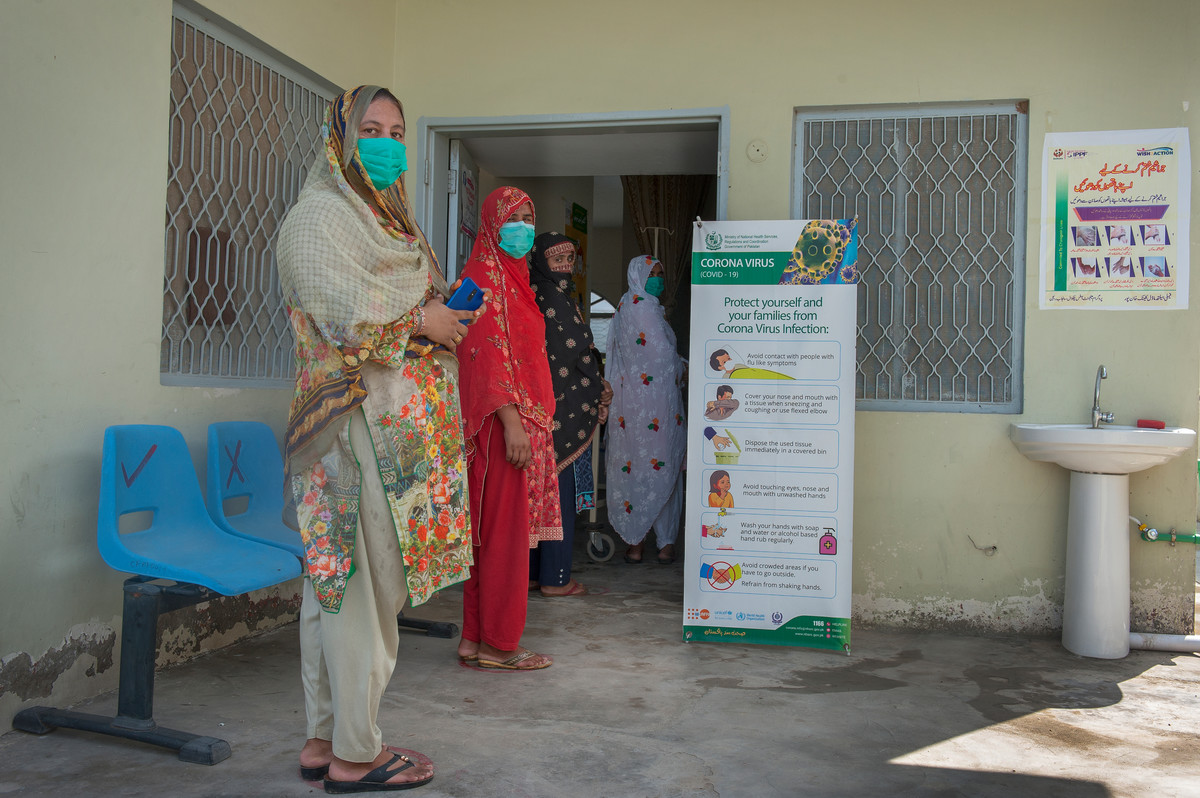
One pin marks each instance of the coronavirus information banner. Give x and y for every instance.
(770, 493)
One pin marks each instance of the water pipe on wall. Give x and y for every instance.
(1155, 642)
(1151, 535)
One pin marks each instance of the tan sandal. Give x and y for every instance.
(514, 663)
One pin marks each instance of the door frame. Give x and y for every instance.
(434, 135)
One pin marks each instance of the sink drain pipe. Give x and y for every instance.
(1188, 644)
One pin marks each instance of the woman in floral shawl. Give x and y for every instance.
(647, 435)
(374, 439)
(508, 409)
(581, 398)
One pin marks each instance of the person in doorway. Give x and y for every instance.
(375, 384)
(646, 445)
(581, 399)
(508, 414)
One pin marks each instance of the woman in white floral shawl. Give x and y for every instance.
(647, 432)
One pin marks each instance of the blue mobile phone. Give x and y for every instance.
(468, 296)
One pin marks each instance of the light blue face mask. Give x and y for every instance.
(655, 286)
(516, 238)
(384, 160)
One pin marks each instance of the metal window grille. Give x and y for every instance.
(939, 192)
(244, 130)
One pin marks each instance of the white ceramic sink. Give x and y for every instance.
(1107, 450)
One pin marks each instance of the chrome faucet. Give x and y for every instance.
(1099, 415)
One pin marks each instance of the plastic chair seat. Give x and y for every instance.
(244, 462)
(206, 555)
(148, 468)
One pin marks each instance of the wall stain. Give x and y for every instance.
(181, 635)
(190, 631)
(1036, 615)
(17, 500)
(25, 678)
(1161, 609)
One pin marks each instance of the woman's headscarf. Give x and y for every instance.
(390, 205)
(638, 316)
(503, 358)
(574, 364)
(351, 261)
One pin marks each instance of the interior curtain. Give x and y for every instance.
(672, 202)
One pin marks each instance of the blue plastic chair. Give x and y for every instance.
(148, 469)
(244, 462)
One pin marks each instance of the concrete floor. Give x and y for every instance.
(629, 710)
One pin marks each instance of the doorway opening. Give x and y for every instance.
(563, 161)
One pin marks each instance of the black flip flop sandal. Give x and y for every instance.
(377, 779)
(313, 774)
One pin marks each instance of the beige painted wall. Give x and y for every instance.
(81, 243)
(924, 481)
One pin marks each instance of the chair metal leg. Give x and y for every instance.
(144, 602)
(430, 628)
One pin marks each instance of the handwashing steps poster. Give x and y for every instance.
(770, 480)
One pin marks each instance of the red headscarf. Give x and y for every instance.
(502, 360)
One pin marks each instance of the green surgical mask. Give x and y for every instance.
(655, 286)
(516, 238)
(384, 160)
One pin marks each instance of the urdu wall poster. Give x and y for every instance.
(771, 433)
(1115, 215)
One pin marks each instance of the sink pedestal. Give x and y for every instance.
(1096, 607)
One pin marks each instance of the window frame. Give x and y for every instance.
(1014, 304)
(211, 334)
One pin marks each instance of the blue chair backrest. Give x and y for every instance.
(244, 462)
(147, 468)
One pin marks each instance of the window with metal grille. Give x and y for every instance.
(244, 130)
(939, 192)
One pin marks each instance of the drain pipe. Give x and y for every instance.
(1187, 644)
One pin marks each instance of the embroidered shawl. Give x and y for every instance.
(574, 361)
(353, 269)
(353, 260)
(503, 361)
(647, 433)
(504, 355)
